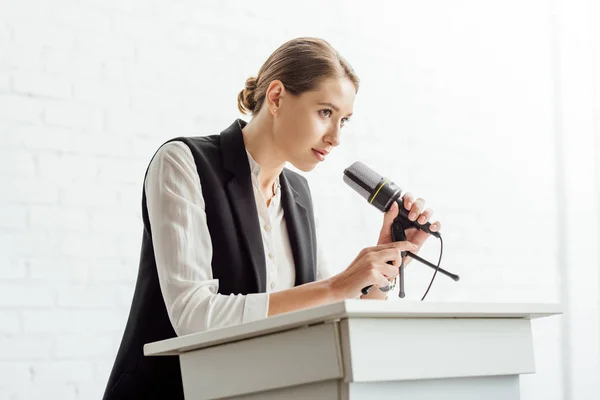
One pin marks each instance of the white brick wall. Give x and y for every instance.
(461, 103)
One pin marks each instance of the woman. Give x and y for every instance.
(229, 232)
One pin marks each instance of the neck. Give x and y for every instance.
(260, 143)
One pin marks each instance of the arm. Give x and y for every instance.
(304, 296)
(183, 248)
(183, 252)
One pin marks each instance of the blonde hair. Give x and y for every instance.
(300, 64)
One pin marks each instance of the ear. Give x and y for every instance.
(275, 93)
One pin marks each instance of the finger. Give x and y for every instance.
(387, 270)
(389, 216)
(404, 246)
(436, 226)
(416, 209)
(425, 215)
(408, 200)
(379, 279)
(383, 256)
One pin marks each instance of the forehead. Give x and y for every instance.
(339, 91)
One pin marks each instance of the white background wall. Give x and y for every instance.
(489, 110)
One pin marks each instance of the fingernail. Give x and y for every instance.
(422, 220)
(409, 205)
(412, 216)
(434, 227)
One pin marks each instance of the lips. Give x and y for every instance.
(320, 154)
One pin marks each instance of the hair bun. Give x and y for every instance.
(246, 100)
(251, 83)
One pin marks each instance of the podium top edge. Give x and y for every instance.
(354, 308)
(382, 309)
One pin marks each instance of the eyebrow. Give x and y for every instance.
(332, 106)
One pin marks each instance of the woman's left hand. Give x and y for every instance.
(418, 213)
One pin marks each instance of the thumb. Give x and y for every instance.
(383, 282)
(385, 235)
(390, 215)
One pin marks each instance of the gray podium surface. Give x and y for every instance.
(364, 349)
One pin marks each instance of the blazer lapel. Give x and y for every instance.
(296, 218)
(241, 196)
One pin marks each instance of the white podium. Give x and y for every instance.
(364, 349)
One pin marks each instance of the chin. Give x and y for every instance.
(304, 166)
(308, 168)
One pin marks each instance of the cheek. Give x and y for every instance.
(302, 132)
(305, 129)
(316, 126)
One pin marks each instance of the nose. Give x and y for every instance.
(333, 137)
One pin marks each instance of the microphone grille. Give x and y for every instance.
(362, 179)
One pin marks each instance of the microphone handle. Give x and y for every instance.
(403, 215)
(401, 223)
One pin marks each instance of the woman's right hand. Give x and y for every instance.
(370, 267)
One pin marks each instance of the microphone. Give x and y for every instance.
(381, 193)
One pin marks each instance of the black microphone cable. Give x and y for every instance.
(416, 257)
(425, 262)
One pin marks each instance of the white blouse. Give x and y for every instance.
(183, 248)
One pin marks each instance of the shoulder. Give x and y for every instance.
(184, 147)
(172, 154)
(199, 143)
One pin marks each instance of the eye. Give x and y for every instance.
(326, 112)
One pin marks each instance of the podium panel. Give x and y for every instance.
(278, 360)
(388, 349)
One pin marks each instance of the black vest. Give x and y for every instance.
(238, 260)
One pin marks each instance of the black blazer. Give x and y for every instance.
(238, 259)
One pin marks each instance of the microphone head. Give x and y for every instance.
(362, 179)
(380, 192)
(371, 186)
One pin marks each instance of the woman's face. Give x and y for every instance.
(308, 126)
